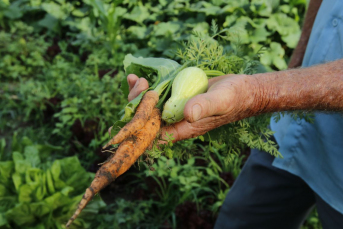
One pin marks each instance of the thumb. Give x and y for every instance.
(215, 102)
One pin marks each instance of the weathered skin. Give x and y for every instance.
(127, 153)
(234, 97)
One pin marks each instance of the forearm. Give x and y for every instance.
(315, 88)
(299, 51)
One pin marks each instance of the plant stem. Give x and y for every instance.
(213, 73)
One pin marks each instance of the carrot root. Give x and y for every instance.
(127, 153)
(142, 115)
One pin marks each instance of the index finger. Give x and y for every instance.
(131, 80)
(180, 131)
(140, 85)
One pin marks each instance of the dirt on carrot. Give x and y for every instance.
(142, 115)
(125, 156)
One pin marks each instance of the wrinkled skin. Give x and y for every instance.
(228, 99)
(234, 97)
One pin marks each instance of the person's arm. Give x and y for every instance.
(234, 97)
(315, 88)
(299, 51)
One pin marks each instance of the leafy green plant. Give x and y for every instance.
(312, 221)
(60, 70)
(22, 52)
(155, 28)
(204, 52)
(38, 193)
(57, 93)
(98, 34)
(127, 214)
(196, 180)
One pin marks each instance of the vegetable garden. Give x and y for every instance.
(63, 68)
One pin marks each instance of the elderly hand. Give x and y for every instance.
(228, 99)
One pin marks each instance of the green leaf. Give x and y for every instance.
(283, 24)
(166, 28)
(21, 165)
(229, 20)
(70, 166)
(259, 34)
(25, 192)
(174, 172)
(32, 155)
(3, 220)
(40, 191)
(292, 39)
(25, 141)
(209, 9)
(6, 170)
(13, 11)
(238, 31)
(56, 200)
(17, 180)
(138, 31)
(49, 22)
(98, 5)
(274, 55)
(65, 118)
(3, 190)
(20, 215)
(169, 153)
(67, 190)
(50, 182)
(280, 63)
(55, 10)
(2, 147)
(138, 14)
(264, 8)
(56, 170)
(40, 208)
(46, 150)
(153, 69)
(74, 175)
(145, 67)
(70, 110)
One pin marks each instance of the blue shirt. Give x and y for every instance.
(314, 152)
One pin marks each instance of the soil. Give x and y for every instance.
(52, 105)
(85, 132)
(190, 218)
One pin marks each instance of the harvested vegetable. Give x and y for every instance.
(142, 115)
(126, 155)
(188, 83)
(171, 86)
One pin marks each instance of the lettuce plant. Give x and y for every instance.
(36, 192)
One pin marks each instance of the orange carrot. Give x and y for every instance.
(142, 115)
(127, 153)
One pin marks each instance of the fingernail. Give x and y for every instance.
(196, 111)
(136, 84)
(129, 80)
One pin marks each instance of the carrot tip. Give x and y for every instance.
(69, 222)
